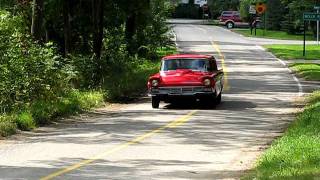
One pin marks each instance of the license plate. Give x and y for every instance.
(175, 91)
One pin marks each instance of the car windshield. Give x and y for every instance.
(192, 64)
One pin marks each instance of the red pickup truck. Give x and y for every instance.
(187, 75)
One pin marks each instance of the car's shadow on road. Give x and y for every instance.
(236, 105)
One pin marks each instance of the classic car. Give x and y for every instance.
(187, 75)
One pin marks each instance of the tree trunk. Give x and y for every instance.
(98, 26)
(37, 20)
(66, 27)
(130, 32)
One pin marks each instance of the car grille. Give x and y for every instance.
(181, 90)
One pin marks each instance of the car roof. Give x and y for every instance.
(230, 12)
(186, 56)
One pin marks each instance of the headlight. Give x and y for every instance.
(207, 82)
(155, 83)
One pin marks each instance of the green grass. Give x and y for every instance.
(164, 51)
(273, 34)
(42, 112)
(296, 155)
(291, 52)
(307, 71)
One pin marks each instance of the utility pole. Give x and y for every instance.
(317, 8)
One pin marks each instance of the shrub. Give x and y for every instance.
(73, 102)
(86, 100)
(187, 11)
(25, 121)
(7, 126)
(128, 79)
(43, 111)
(28, 71)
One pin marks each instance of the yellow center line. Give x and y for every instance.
(172, 124)
(226, 81)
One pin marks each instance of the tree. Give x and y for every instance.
(275, 14)
(217, 6)
(97, 16)
(244, 9)
(294, 14)
(66, 26)
(37, 20)
(137, 13)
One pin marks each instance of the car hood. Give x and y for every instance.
(183, 77)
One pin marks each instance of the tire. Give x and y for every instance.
(230, 25)
(155, 102)
(218, 99)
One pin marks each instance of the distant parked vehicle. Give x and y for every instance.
(231, 19)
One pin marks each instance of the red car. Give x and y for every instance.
(230, 19)
(187, 75)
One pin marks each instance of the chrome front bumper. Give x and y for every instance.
(181, 91)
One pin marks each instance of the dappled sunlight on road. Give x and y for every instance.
(214, 142)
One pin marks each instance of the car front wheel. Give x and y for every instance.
(230, 25)
(155, 102)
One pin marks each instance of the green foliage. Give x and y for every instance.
(164, 51)
(217, 6)
(43, 112)
(155, 34)
(5, 4)
(28, 71)
(85, 100)
(75, 101)
(296, 155)
(128, 79)
(38, 84)
(7, 125)
(187, 11)
(25, 121)
(244, 9)
(293, 22)
(275, 14)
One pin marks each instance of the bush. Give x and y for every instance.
(187, 11)
(293, 22)
(85, 100)
(128, 79)
(28, 71)
(43, 111)
(25, 121)
(7, 125)
(73, 102)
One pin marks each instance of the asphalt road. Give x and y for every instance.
(174, 142)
